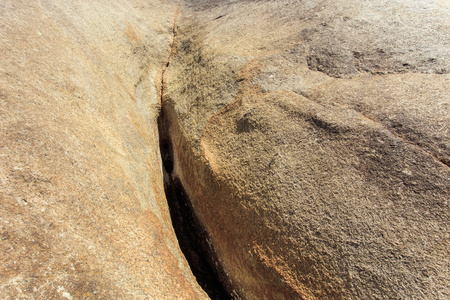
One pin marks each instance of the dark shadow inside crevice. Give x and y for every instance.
(191, 235)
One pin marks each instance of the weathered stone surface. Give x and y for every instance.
(313, 140)
(311, 136)
(82, 207)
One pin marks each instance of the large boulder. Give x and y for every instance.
(312, 138)
(82, 208)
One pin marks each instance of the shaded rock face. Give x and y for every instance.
(312, 138)
(82, 208)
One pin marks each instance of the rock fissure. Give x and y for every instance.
(192, 236)
(303, 148)
(172, 54)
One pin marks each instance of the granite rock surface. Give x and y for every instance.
(311, 137)
(82, 208)
(313, 140)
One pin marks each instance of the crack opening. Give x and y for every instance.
(192, 236)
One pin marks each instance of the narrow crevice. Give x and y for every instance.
(192, 236)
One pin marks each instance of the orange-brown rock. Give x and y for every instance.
(313, 140)
(82, 208)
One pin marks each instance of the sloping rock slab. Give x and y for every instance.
(313, 140)
(82, 207)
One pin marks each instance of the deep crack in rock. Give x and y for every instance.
(192, 236)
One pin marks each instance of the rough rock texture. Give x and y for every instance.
(311, 136)
(82, 207)
(313, 140)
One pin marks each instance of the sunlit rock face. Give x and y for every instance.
(313, 140)
(83, 213)
(311, 137)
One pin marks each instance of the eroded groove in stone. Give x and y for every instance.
(192, 236)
